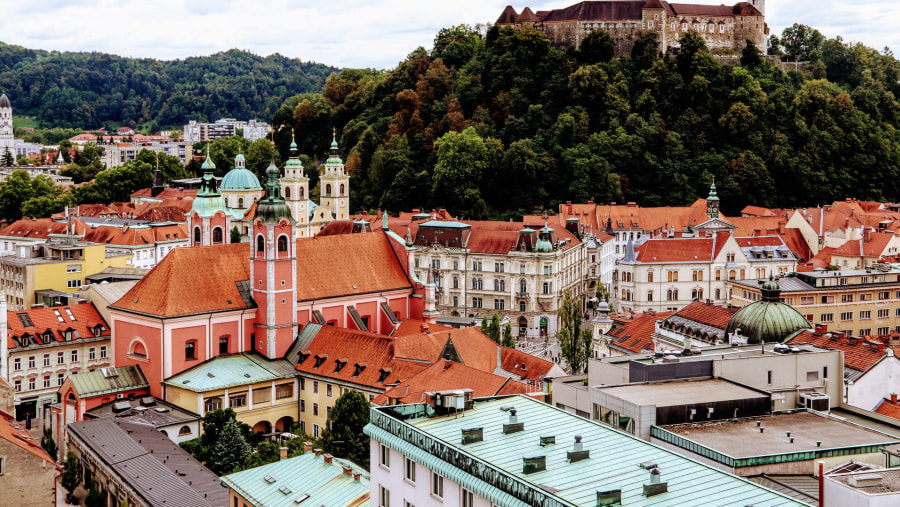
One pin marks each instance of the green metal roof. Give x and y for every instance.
(231, 370)
(493, 468)
(94, 383)
(240, 179)
(308, 474)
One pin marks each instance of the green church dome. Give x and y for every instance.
(240, 179)
(768, 320)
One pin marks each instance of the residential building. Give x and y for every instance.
(171, 420)
(261, 391)
(195, 132)
(633, 337)
(853, 302)
(117, 154)
(314, 477)
(255, 130)
(721, 27)
(142, 245)
(27, 473)
(136, 465)
(42, 273)
(516, 451)
(41, 347)
(779, 444)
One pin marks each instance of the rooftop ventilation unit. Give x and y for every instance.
(472, 435)
(866, 481)
(513, 426)
(609, 497)
(578, 453)
(655, 486)
(148, 401)
(534, 464)
(819, 402)
(120, 406)
(548, 440)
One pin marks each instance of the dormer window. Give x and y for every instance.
(320, 360)
(358, 368)
(383, 374)
(301, 357)
(339, 364)
(47, 337)
(98, 330)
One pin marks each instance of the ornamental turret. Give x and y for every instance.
(712, 202)
(295, 189)
(334, 183)
(208, 220)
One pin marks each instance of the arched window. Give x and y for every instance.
(217, 236)
(240, 202)
(302, 193)
(185, 430)
(328, 189)
(287, 192)
(282, 244)
(196, 235)
(342, 189)
(649, 295)
(137, 348)
(260, 245)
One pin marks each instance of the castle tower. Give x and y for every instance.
(208, 222)
(6, 128)
(334, 184)
(760, 5)
(273, 271)
(295, 188)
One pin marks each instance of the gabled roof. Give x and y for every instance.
(756, 211)
(135, 236)
(15, 433)
(634, 336)
(347, 264)
(888, 408)
(447, 375)
(308, 477)
(96, 383)
(508, 16)
(667, 250)
(37, 322)
(41, 228)
(704, 313)
(231, 370)
(193, 280)
(413, 326)
(859, 353)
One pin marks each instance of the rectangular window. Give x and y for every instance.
(17, 363)
(468, 498)
(884, 313)
(384, 497)
(827, 300)
(211, 404)
(826, 317)
(60, 358)
(103, 352)
(866, 331)
(73, 284)
(769, 377)
(223, 345)
(237, 400)
(302, 384)
(31, 362)
(807, 300)
(884, 295)
(303, 405)
(18, 386)
(47, 359)
(328, 391)
(315, 409)
(92, 354)
(283, 391)
(846, 298)
(410, 470)
(73, 268)
(385, 456)
(883, 330)
(547, 270)
(262, 395)
(328, 411)
(315, 387)
(845, 316)
(865, 296)
(865, 314)
(60, 378)
(31, 384)
(190, 352)
(437, 485)
(46, 381)
(315, 431)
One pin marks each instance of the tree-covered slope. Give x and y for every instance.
(89, 90)
(500, 123)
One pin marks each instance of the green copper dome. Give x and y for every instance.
(208, 200)
(240, 179)
(768, 320)
(272, 208)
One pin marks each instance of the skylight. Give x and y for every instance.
(269, 479)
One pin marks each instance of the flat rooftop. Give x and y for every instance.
(743, 439)
(890, 478)
(719, 352)
(681, 392)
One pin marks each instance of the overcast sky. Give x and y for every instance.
(344, 33)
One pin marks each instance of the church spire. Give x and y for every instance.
(712, 202)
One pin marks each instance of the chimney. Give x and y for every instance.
(318, 452)
(328, 458)
(356, 476)
(894, 398)
(348, 471)
(307, 446)
(283, 452)
(578, 453)
(655, 486)
(514, 426)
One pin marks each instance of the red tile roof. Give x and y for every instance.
(707, 313)
(447, 375)
(757, 211)
(347, 264)
(41, 228)
(16, 434)
(135, 236)
(634, 336)
(681, 249)
(859, 353)
(759, 241)
(55, 321)
(888, 408)
(757, 226)
(192, 280)
(167, 193)
(365, 358)
(413, 326)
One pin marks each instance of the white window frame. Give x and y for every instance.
(437, 485)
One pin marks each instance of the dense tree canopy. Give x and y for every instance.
(498, 123)
(89, 90)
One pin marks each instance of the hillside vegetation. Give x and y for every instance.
(90, 90)
(498, 123)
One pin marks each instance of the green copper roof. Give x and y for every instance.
(232, 370)
(209, 200)
(239, 157)
(208, 163)
(282, 483)
(493, 467)
(240, 179)
(768, 320)
(94, 383)
(272, 208)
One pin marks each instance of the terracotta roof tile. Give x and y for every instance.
(16, 434)
(757, 211)
(414, 326)
(135, 236)
(41, 228)
(888, 408)
(447, 375)
(634, 335)
(81, 318)
(191, 280)
(366, 263)
(681, 249)
(859, 353)
(707, 313)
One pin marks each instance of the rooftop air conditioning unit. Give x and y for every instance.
(819, 402)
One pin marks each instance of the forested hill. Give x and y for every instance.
(90, 90)
(499, 123)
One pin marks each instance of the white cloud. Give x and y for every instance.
(351, 33)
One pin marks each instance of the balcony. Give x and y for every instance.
(521, 295)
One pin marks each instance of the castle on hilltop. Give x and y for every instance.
(721, 26)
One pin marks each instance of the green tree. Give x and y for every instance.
(19, 188)
(235, 234)
(461, 160)
(49, 444)
(343, 437)
(265, 453)
(9, 159)
(597, 47)
(493, 330)
(230, 451)
(71, 476)
(574, 342)
(797, 41)
(508, 340)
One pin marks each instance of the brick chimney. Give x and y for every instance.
(307, 446)
(894, 398)
(283, 452)
(328, 458)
